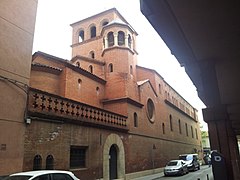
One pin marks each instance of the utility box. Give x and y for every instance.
(218, 166)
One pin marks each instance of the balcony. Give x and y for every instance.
(50, 107)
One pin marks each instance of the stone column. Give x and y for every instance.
(126, 41)
(222, 138)
(106, 42)
(115, 38)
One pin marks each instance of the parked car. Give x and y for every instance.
(175, 167)
(43, 175)
(191, 160)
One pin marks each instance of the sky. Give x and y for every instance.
(53, 35)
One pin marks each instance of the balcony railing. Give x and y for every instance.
(48, 106)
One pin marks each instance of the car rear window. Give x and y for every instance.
(24, 177)
(183, 158)
(172, 163)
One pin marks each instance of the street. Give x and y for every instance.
(196, 175)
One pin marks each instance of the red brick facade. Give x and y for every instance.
(100, 99)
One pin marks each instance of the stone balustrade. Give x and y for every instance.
(46, 106)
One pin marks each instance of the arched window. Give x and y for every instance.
(37, 162)
(79, 83)
(163, 128)
(78, 64)
(97, 90)
(92, 54)
(104, 23)
(110, 39)
(129, 41)
(150, 110)
(49, 162)
(170, 120)
(90, 69)
(135, 120)
(179, 126)
(93, 31)
(81, 36)
(110, 67)
(121, 39)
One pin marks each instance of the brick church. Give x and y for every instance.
(100, 115)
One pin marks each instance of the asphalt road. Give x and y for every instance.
(205, 173)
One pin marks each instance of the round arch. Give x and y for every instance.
(114, 139)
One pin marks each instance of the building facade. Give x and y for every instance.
(101, 115)
(17, 23)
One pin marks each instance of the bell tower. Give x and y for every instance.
(104, 44)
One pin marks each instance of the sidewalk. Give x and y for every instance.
(150, 177)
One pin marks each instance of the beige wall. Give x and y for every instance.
(17, 22)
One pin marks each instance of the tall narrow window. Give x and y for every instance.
(135, 120)
(186, 126)
(163, 128)
(93, 31)
(179, 126)
(121, 38)
(90, 68)
(192, 132)
(110, 67)
(37, 162)
(170, 121)
(129, 41)
(81, 36)
(78, 157)
(196, 133)
(49, 162)
(110, 39)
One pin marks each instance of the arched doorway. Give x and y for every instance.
(113, 157)
(113, 162)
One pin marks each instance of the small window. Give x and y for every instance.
(150, 110)
(78, 157)
(110, 39)
(81, 36)
(90, 69)
(171, 125)
(160, 89)
(92, 54)
(78, 64)
(131, 70)
(104, 23)
(110, 67)
(49, 162)
(121, 38)
(135, 120)
(37, 162)
(93, 31)
(97, 90)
